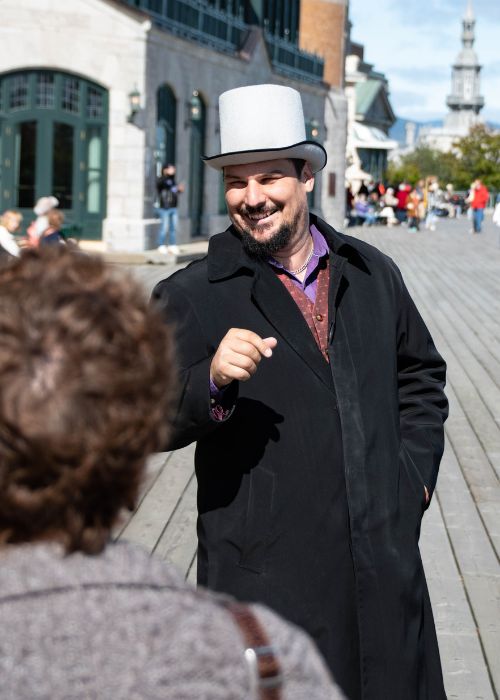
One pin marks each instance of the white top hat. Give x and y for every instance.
(263, 122)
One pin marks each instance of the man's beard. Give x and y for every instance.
(262, 250)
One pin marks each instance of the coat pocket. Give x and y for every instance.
(258, 521)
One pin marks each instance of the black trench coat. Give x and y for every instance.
(264, 496)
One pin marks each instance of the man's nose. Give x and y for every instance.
(254, 194)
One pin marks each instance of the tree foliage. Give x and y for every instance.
(476, 155)
(479, 157)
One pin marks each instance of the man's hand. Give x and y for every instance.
(238, 356)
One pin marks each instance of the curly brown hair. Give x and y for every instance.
(85, 385)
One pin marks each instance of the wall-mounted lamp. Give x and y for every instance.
(314, 128)
(193, 109)
(134, 100)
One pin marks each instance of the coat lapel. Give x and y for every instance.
(226, 258)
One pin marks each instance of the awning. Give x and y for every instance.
(372, 138)
(354, 172)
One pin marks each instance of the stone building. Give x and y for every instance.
(324, 29)
(370, 115)
(96, 94)
(465, 101)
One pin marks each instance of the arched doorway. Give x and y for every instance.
(53, 140)
(166, 122)
(197, 112)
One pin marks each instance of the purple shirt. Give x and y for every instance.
(309, 286)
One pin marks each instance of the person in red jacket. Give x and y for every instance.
(479, 201)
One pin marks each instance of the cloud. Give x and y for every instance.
(416, 42)
(427, 74)
(434, 13)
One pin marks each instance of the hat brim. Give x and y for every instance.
(311, 151)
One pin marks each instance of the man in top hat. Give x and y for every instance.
(315, 395)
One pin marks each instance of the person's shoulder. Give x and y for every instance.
(195, 276)
(353, 248)
(184, 281)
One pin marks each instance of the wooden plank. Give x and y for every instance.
(178, 541)
(464, 579)
(464, 668)
(154, 466)
(156, 509)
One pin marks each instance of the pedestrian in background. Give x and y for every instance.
(496, 212)
(412, 207)
(86, 376)
(434, 199)
(402, 196)
(10, 222)
(168, 194)
(42, 208)
(53, 233)
(478, 200)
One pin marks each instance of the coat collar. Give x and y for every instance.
(226, 256)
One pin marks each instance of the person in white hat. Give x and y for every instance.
(42, 208)
(315, 394)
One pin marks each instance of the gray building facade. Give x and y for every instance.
(96, 94)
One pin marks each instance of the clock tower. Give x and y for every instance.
(465, 101)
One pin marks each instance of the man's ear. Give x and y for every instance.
(307, 177)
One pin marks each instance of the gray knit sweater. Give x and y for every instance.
(124, 625)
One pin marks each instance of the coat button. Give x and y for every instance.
(319, 317)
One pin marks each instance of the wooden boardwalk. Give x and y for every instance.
(454, 278)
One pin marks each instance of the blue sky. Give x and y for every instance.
(415, 42)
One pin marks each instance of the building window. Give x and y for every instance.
(54, 141)
(62, 164)
(95, 103)
(70, 100)
(25, 147)
(19, 92)
(45, 91)
(94, 170)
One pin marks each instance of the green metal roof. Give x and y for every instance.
(366, 92)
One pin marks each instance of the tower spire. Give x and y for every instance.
(465, 101)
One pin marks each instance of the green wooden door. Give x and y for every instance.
(53, 141)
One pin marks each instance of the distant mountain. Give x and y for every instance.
(398, 130)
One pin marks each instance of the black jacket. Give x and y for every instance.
(267, 508)
(167, 192)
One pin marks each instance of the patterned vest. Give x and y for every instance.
(316, 315)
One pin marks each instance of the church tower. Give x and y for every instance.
(465, 101)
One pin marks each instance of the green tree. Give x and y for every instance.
(421, 163)
(478, 157)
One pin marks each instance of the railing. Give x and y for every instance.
(225, 31)
(288, 59)
(192, 19)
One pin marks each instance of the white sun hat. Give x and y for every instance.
(263, 122)
(45, 204)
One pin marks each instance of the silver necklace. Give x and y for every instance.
(302, 267)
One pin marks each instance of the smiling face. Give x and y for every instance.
(267, 203)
